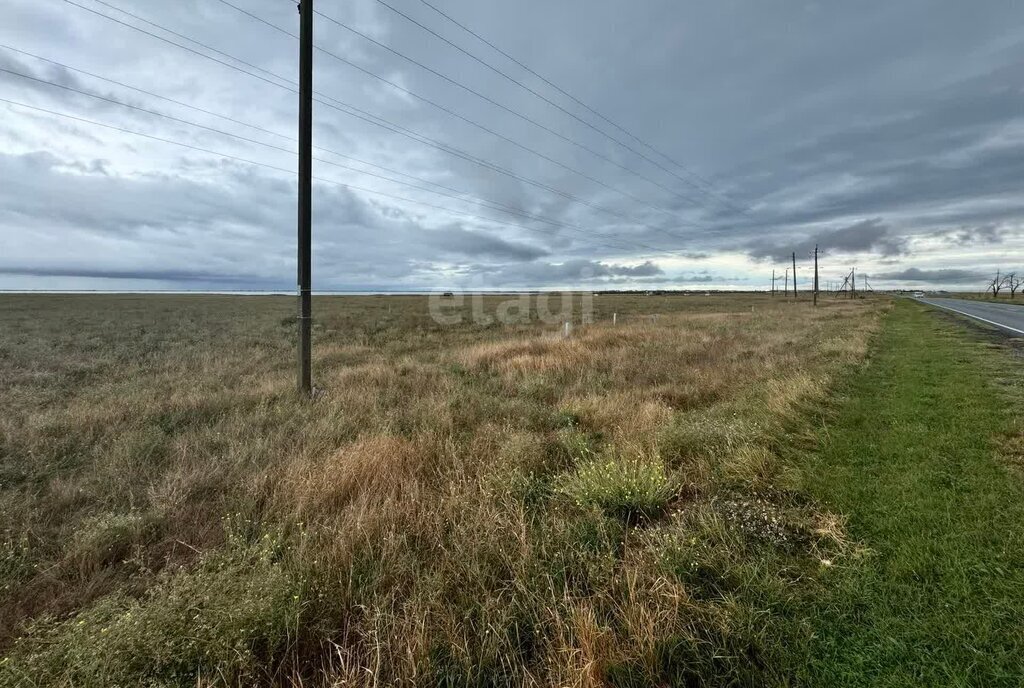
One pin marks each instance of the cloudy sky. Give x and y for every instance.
(718, 137)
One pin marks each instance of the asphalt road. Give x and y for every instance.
(1004, 316)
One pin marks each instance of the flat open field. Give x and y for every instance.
(665, 501)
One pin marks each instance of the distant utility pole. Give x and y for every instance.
(794, 274)
(773, 281)
(853, 283)
(815, 274)
(305, 318)
(786, 293)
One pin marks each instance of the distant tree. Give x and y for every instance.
(996, 285)
(1013, 283)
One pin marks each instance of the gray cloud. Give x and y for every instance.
(185, 276)
(861, 237)
(944, 275)
(983, 234)
(848, 135)
(457, 240)
(703, 277)
(567, 273)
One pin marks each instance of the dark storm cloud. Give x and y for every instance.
(457, 240)
(688, 278)
(925, 185)
(982, 234)
(944, 275)
(865, 236)
(990, 173)
(952, 122)
(569, 272)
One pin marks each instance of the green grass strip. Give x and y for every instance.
(912, 457)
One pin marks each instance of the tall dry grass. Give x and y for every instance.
(462, 505)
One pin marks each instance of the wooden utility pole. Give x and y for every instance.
(853, 283)
(786, 293)
(794, 274)
(773, 281)
(815, 274)
(305, 225)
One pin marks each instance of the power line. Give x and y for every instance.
(710, 187)
(278, 169)
(153, 95)
(485, 203)
(262, 129)
(341, 107)
(453, 113)
(357, 113)
(345, 108)
(543, 97)
(173, 33)
(459, 153)
(179, 45)
(511, 111)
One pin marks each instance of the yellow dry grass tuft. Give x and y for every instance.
(376, 470)
(537, 355)
(628, 417)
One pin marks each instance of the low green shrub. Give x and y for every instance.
(628, 488)
(109, 537)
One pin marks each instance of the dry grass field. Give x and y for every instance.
(461, 505)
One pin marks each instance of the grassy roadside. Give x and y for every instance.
(467, 504)
(473, 505)
(937, 596)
